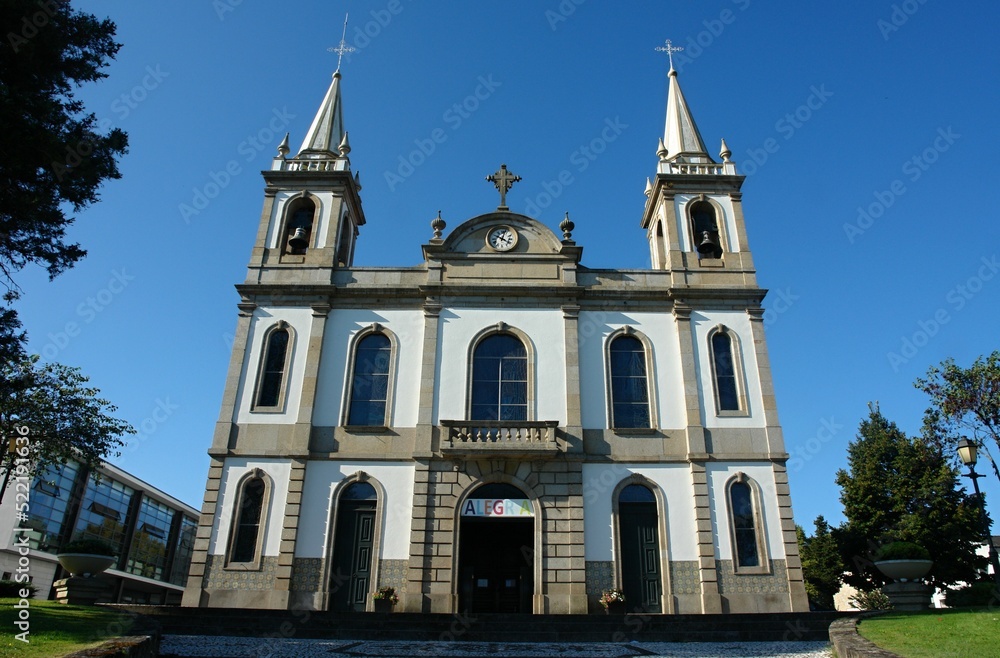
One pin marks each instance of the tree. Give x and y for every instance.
(964, 401)
(899, 488)
(61, 417)
(822, 565)
(53, 155)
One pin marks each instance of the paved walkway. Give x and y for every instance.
(201, 646)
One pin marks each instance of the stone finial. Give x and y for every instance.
(649, 188)
(725, 153)
(345, 146)
(661, 151)
(357, 180)
(438, 225)
(567, 226)
(283, 147)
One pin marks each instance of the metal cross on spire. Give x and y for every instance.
(342, 47)
(503, 180)
(669, 48)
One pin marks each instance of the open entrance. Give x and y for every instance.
(354, 540)
(496, 552)
(638, 529)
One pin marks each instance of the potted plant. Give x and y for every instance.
(385, 598)
(86, 557)
(903, 561)
(613, 601)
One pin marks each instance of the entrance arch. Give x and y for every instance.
(497, 548)
(640, 544)
(355, 545)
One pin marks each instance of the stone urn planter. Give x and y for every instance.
(86, 557)
(905, 563)
(904, 570)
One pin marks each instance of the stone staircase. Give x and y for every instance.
(300, 624)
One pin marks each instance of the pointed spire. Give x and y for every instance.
(681, 135)
(327, 129)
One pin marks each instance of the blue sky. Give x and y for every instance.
(867, 131)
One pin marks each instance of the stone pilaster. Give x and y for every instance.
(203, 537)
(571, 323)
(299, 443)
(798, 600)
(423, 446)
(695, 431)
(708, 575)
(415, 598)
(775, 440)
(260, 245)
(290, 526)
(227, 413)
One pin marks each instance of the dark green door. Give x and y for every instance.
(352, 556)
(638, 530)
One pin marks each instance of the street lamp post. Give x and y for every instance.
(967, 452)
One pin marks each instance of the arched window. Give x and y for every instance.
(272, 371)
(629, 383)
(726, 387)
(248, 516)
(705, 229)
(370, 384)
(500, 379)
(297, 236)
(746, 526)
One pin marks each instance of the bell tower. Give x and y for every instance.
(693, 215)
(312, 205)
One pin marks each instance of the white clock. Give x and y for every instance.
(501, 238)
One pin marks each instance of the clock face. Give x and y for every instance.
(501, 238)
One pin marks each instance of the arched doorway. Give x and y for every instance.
(354, 542)
(496, 550)
(638, 532)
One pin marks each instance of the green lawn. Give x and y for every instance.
(966, 633)
(57, 629)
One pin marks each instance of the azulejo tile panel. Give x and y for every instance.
(221, 578)
(392, 573)
(685, 578)
(306, 574)
(733, 583)
(600, 576)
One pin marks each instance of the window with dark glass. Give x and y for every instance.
(370, 385)
(182, 553)
(629, 385)
(50, 499)
(248, 523)
(274, 369)
(744, 527)
(104, 511)
(725, 372)
(500, 379)
(148, 550)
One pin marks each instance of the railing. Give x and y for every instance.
(313, 165)
(694, 168)
(499, 437)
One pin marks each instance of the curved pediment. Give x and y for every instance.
(529, 236)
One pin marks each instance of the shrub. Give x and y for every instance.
(10, 588)
(973, 596)
(873, 600)
(91, 546)
(902, 550)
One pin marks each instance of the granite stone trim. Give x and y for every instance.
(685, 577)
(307, 574)
(734, 583)
(392, 573)
(600, 576)
(218, 578)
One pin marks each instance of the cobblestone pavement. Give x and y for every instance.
(245, 647)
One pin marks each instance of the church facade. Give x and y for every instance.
(499, 428)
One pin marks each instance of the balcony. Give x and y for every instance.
(475, 439)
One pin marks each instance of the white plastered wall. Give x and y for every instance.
(684, 226)
(599, 482)
(660, 328)
(342, 326)
(702, 323)
(263, 319)
(546, 330)
(322, 478)
(763, 475)
(279, 471)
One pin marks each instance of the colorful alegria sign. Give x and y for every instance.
(506, 507)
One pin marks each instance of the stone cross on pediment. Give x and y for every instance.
(503, 180)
